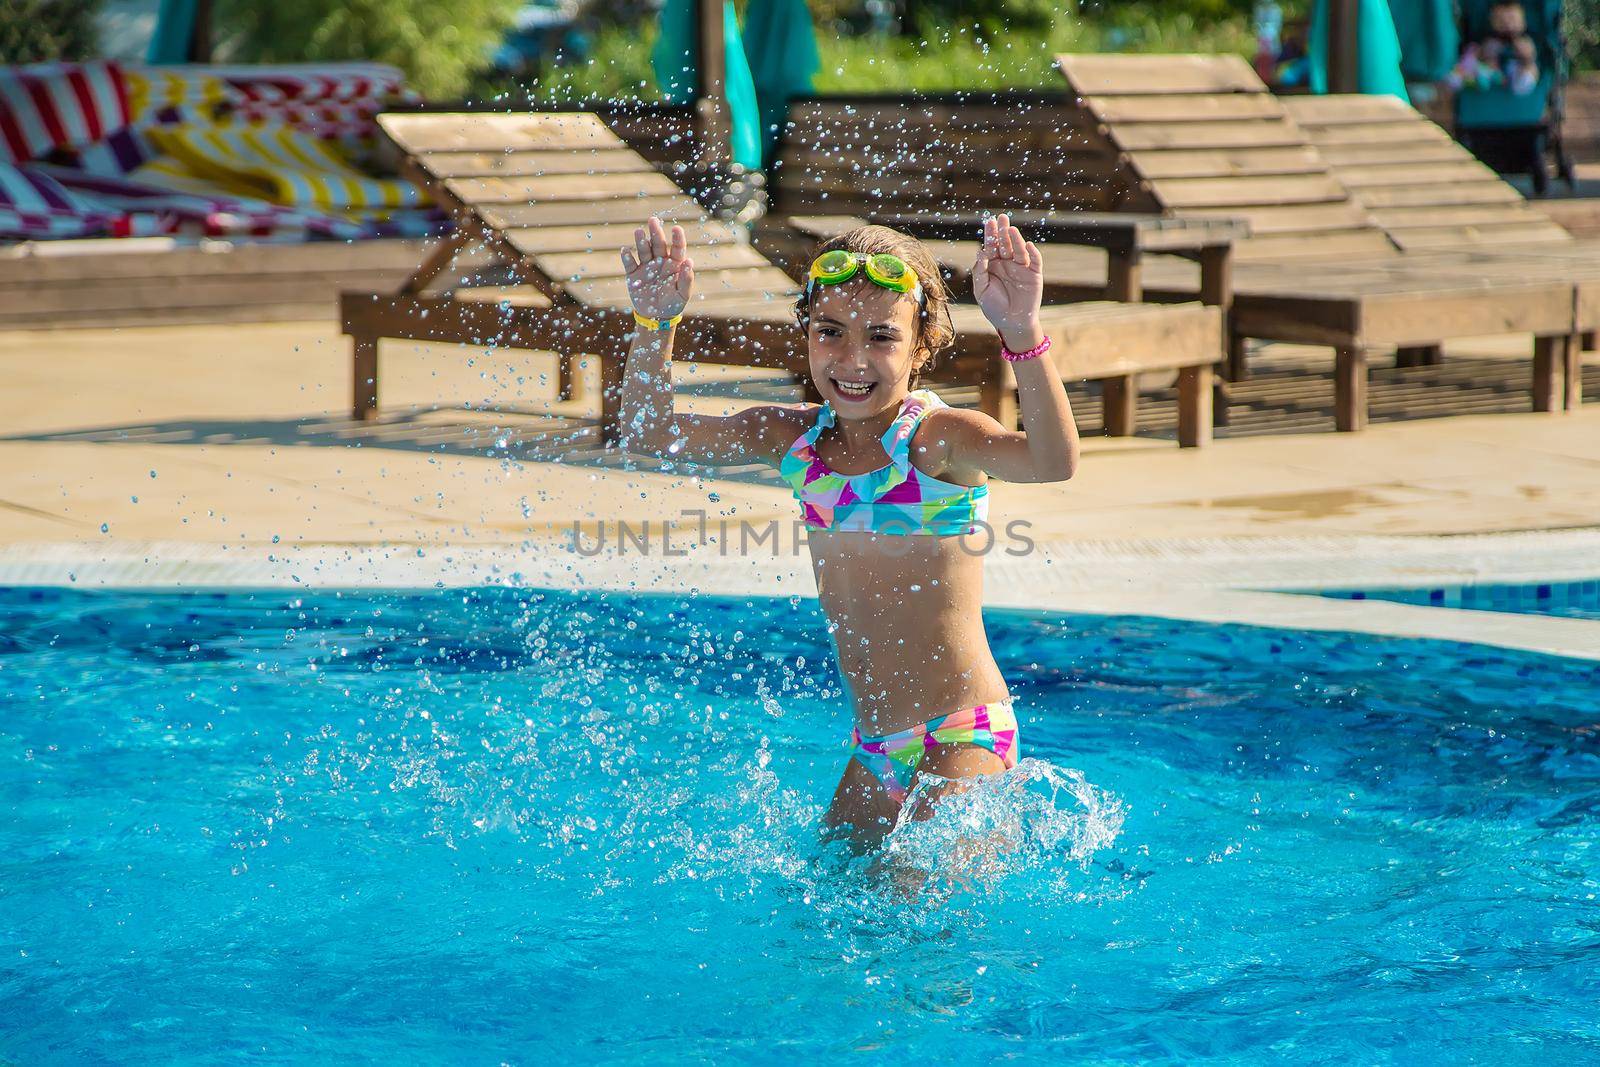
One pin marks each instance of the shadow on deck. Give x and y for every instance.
(1282, 396)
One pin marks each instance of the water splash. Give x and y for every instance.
(1033, 829)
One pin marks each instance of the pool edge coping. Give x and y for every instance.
(1214, 580)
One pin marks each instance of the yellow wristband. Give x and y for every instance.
(657, 324)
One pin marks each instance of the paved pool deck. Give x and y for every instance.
(223, 455)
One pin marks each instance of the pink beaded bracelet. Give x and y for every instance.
(1033, 353)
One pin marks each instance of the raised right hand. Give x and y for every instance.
(660, 272)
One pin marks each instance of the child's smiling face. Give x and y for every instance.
(861, 339)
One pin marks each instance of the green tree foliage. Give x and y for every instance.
(1581, 19)
(440, 45)
(995, 16)
(1022, 16)
(32, 31)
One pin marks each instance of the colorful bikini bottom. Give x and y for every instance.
(893, 758)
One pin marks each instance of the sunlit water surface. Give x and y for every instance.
(501, 826)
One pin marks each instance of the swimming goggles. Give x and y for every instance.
(884, 268)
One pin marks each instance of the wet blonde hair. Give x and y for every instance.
(934, 329)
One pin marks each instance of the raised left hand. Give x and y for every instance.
(1008, 280)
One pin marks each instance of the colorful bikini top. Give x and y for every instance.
(894, 499)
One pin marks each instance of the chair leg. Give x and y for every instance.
(1121, 405)
(998, 400)
(1572, 364)
(1549, 374)
(1586, 340)
(1194, 406)
(566, 384)
(364, 375)
(611, 376)
(1418, 355)
(1238, 369)
(1350, 389)
(1220, 397)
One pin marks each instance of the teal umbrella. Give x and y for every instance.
(174, 30)
(781, 44)
(675, 61)
(1430, 40)
(1379, 61)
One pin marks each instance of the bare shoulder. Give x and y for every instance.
(949, 432)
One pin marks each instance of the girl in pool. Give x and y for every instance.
(892, 484)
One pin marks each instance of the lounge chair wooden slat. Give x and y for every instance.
(1344, 110)
(817, 146)
(1411, 173)
(1456, 236)
(508, 164)
(560, 187)
(608, 238)
(613, 291)
(676, 208)
(1290, 218)
(1187, 108)
(1228, 192)
(1372, 133)
(863, 118)
(1238, 162)
(1355, 155)
(709, 261)
(513, 295)
(1316, 244)
(424, 132)
(1404, 218)
(1454, 193)
(1091, 197)
(1263, 134)
(1157, 74)
(933, 185)
(826, 169)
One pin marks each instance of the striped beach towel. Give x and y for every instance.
(312, 82)
(284, 166)
(168, 202)
(353, 123)
(49, 106)
(157, 96)
(35, 206)
(167, 94)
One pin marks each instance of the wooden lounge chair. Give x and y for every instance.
(548, 199)
(928, 165)
(551, 197)
(1200, 136)
(1443, 207)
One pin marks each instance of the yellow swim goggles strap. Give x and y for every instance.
(885, 269)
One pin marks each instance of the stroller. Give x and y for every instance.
(1515, 134)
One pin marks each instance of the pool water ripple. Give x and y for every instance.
(473, 825)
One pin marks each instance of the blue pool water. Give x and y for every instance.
(1573, 600)
(499, 826)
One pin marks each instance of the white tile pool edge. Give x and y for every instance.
(1223, 580)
